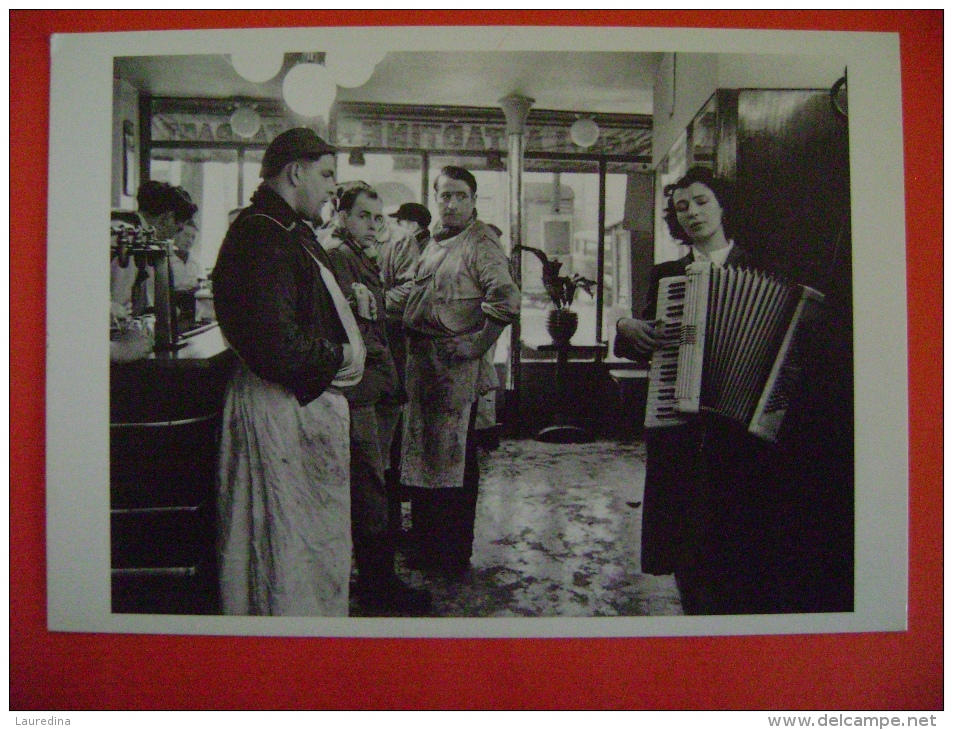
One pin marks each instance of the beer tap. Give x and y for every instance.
(132, 239)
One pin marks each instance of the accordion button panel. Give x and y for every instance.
(660, 410)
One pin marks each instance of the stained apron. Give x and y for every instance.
(437, 415)
(284, 502)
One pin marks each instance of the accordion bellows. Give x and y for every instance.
(733, 344)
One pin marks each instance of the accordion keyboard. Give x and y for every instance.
(660, 408)
(734, 343)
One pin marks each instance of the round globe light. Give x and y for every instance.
(309, 90)
(258, 65)
(584, 132)
(350, 68)
(245, 122)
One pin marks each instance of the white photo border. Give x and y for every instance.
(77, 433)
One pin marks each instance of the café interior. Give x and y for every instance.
(571, 151)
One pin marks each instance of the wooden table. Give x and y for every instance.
(562, 431)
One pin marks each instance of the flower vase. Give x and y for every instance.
(561, 325)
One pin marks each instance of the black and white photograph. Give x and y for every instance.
(532, 332)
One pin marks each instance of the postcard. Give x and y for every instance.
(610, 117)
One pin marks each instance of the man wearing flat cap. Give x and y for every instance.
(284, 486)
(397, 260)
(414, 218)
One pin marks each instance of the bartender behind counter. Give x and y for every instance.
(187, 273)
(167, 209)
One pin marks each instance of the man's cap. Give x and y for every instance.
(413, 212)
(299, 143)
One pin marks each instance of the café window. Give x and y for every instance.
(576, 204)
(220, 181)
(213, 148)
(395, 177)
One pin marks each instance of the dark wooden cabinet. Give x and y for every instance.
(786, 153)
(165, 422)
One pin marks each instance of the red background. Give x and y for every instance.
(59, 671)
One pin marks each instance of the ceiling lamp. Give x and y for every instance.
(309, 90)
(259, 65)
(245, 122)
(351, 68)
(584, 132)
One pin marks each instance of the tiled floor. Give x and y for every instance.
(557, 534)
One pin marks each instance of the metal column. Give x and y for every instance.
(601, 255)
(516, 108)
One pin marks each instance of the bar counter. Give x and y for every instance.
(186, 382)
(165, 423)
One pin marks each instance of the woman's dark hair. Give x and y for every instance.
(457, 173)
(157, 198)
(719, 186)
(348, 193)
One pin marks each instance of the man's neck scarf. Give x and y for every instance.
(444, 232)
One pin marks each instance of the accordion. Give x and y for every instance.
(733, 344)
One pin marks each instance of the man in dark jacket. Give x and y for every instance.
(284, 497)
(375, 411)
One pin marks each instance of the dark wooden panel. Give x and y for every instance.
(592, 403)
(170, 593)
(166, 414)
(162, 538)
(188, 383)
(794, 186)
(793, 189)
(165, 465)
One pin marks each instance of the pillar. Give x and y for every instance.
(516, 108)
